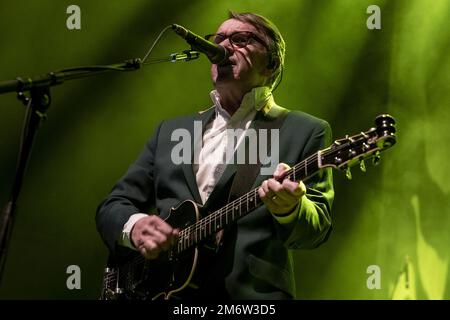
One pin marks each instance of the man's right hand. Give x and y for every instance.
(151, 235)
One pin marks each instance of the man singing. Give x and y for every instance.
(252, 258)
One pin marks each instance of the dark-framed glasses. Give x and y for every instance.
(240, 38)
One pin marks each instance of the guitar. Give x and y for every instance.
(173, 272)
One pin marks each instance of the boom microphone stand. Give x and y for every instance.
(37, 103)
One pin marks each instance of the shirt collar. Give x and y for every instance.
(259, 98)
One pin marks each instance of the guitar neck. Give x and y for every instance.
(239, 208)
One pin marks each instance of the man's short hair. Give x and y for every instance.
(277, 46)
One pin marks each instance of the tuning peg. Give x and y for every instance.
(376, 158)
(348, 174)
(362, 165)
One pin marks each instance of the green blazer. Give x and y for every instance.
(255, 260)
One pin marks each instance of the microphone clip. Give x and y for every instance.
(186, 55)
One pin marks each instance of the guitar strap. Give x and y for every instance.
(247, 173)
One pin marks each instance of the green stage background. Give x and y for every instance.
(336, 69)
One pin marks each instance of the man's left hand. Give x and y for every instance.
(281, 198)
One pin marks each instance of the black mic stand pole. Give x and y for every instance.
(37, 104)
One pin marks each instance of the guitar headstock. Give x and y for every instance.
(346, 152)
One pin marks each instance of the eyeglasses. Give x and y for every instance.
(239, 38)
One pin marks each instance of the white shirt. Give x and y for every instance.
(212, 159)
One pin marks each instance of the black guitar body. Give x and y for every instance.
(169, 276)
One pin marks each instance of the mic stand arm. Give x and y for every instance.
(58, 77)
(37, 104)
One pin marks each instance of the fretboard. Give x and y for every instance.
(233, 211)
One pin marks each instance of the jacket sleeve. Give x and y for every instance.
(133, 193)
(310, 224)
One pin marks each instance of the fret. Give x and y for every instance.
(193, 231)
(182, 243)
(197, 236)
(181, 240)
(204, 230)
(246, 200)
(245, 205)
(196, 239)
(226, 216)
(240, 207)
(203, 226)
(189, 238)
(297, 169)
(306, 168)
(217, 216)
(212, 227)
(209, 224)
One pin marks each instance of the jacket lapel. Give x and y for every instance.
(196, 140)
(220, 193)
(221, 190)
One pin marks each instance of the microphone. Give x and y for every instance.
(215, 53)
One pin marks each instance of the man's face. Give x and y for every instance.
(246, 67)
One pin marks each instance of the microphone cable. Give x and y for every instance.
(144, 59)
